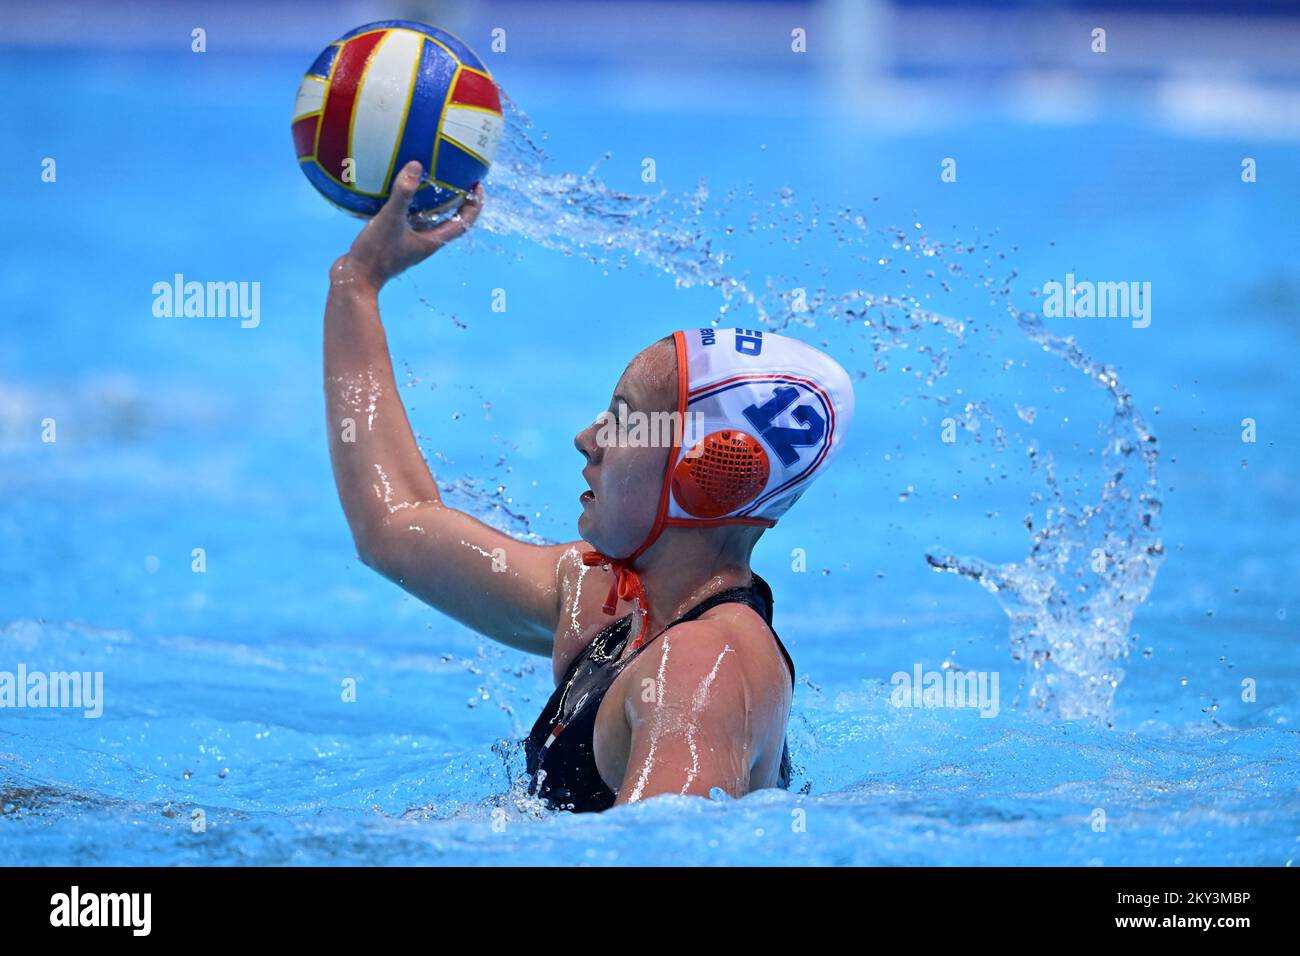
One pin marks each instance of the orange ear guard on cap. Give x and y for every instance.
(726, 470)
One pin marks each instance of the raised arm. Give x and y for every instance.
(503, 588)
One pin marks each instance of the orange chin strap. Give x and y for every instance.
(626, 586)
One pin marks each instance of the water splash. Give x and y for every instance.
(1072, 599)
(578, 215)
(1090, 564)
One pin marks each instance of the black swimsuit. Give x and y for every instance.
(562, 766)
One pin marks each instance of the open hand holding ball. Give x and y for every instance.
(388, 245)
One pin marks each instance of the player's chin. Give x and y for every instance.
(591, 528)
(586, 522)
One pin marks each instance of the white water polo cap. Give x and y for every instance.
(759, 416)
(763, 416)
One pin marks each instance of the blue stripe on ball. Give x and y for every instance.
(457, 167)
(432, 84)
(338, 194)
(465, 54)
(323, 62)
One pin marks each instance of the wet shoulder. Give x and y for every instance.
(728, 654)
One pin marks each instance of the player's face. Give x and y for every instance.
(625, 471)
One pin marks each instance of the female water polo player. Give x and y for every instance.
(670, 678)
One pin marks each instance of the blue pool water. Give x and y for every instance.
(222, 688)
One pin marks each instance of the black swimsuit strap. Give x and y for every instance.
(729, 596)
